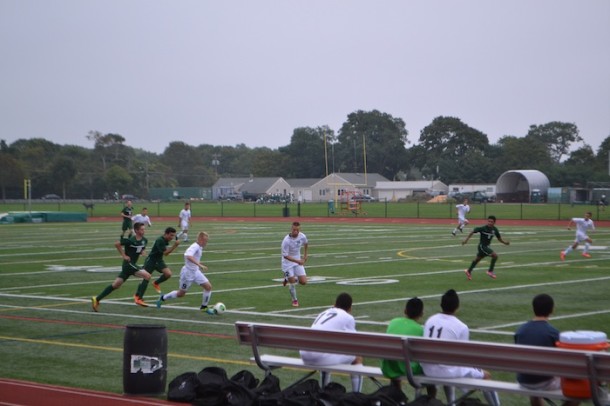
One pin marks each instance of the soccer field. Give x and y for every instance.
(49, 271)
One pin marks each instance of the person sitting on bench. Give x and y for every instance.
(447, 326)
(337, 318)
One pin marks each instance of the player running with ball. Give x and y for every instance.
(582, 225)
(192, 273)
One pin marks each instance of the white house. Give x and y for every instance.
(393, 191)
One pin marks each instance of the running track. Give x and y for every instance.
(22, 393)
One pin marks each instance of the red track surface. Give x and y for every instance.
(22, 393)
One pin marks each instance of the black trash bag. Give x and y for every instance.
(425, 400)
(355, 399)
(331, 394)
(238, 394)
(269, 385)
(210, 392)
(305, 393)
(183, 388)
(245, 378)
(389, 396)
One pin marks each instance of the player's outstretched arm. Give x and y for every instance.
(467, 238)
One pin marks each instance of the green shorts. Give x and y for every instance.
(484, 251)
(127, 270)
(126, 225)
(158, 266)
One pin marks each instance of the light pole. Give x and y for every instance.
(215, 163)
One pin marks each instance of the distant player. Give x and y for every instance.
(292, 264)
(192, 272)
(462, 210)
(184, 222)
(142, 218)
(582, 225)
(484, 249)
(126, 214)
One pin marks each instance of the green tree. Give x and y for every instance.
(446, 143)
(524, 153)
(11, 175)
(269, 163)
(187, 165)
(376, 136)
(306, 153)
(63, 171)
(107, 147)
(556, 136)
(602, 158)
(119, 180)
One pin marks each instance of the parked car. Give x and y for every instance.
(129, 197)
(51, 196)
(364, 198)
(475, 197)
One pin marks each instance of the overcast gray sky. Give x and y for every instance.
(245, 71)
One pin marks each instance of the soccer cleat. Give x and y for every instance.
(285, 282)
(295, 303)
(139, 301)
(95, 304)
(159, 302)
(562, 255)
(586, 255)
(468, 274)
(453, 233)
(157, 287)
(491, 274)
(461, 230)
(207, 310)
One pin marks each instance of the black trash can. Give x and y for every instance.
(144, 360)
(286, 211)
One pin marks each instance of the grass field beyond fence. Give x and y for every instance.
(514, 211)
(49, 334)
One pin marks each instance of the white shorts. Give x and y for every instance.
(188, 277)
(581, 237)
(184, 225)
(296, 270)
(321, 358)
(462, 220)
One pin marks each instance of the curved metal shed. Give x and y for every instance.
(518, 185)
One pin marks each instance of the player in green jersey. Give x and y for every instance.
(130, 250)
(155, 262)
(487, 233)
(126, 214)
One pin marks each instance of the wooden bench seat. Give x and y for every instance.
(574, 364)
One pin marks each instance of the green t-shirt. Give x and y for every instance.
(133, 248)
(128, 211)
(402, 326)
(487, 234)
(156, 253)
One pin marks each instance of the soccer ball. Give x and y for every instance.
(219, 308)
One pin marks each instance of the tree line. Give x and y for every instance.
(371, 141)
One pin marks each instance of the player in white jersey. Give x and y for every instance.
(192, 273)
(292, 263)
(184, 222)
(337, 318)
(582, 225)
(462, 210)
(447, 326)
(142, 218)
